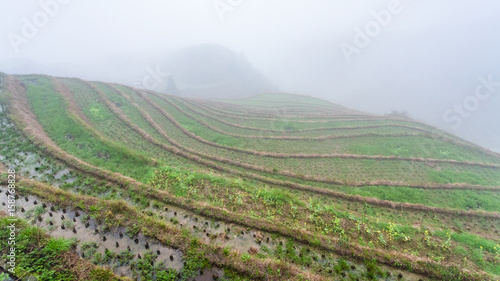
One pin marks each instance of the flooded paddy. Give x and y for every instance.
(253, 242)
(115, 248)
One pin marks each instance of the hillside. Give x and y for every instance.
(270, 187)
(213, 71)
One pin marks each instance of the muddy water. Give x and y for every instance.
(216, 232)
(213, 273)
(68, 223)
(226, 234)
(28, 163)
(245, 240)
(31, 165)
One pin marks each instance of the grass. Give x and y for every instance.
(388, 126)
(472, 241)
(292, 211)
(147, 269)
(456, 199)
(58, 245)
(450, 176)
(45, 258)
(73, 138)
(277, 99)
(323, 167)
(276, 196)
(194, 185)
(306, 222)
(320, 167)
(414, 146)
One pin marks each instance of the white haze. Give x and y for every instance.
(427, 59)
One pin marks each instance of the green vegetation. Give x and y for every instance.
(43, 257)
(456, 199)
(70, 135)
(305, 189)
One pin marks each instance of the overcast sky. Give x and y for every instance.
(431, 58)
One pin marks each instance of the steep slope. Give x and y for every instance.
(272, 187)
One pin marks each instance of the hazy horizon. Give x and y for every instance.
(438, 61)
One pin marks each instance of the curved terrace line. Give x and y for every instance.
(444, 137)
(261, 169)
(184, 103)
(295, 121)
(320, 138)
(306, 156)
(216, 109)
(33, 130)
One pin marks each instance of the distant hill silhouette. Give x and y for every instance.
(212, 71)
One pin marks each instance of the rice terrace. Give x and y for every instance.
(118, 183)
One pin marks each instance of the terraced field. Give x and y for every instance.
(133, 184)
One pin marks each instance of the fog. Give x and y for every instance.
(438, 60)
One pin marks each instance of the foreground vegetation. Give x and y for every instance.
(46, 258)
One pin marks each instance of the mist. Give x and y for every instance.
(439, 61)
